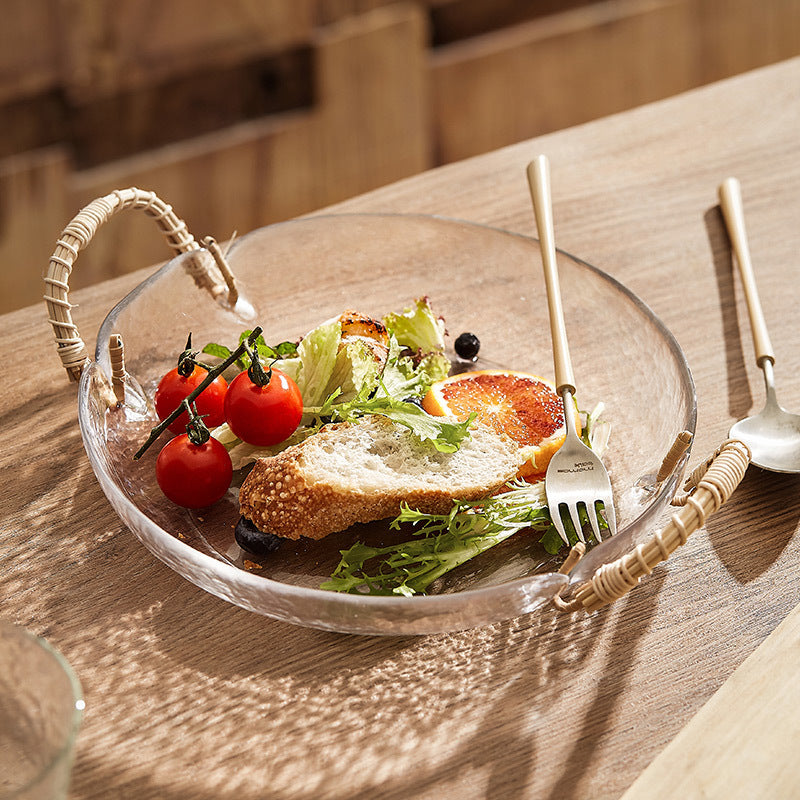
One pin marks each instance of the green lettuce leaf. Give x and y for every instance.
(417, 328)
(317, 352)
(267, 352)
(355, 370)
(403, 379)
(444, 433)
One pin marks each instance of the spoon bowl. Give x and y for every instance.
(773, 436)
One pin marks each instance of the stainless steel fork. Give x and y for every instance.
(576, 476)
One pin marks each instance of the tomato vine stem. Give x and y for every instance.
(256, 372)
(186, 360)
(212, 375)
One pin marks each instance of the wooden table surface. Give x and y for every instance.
(188, 696)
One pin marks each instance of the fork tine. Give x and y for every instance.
(555, 516)
(592, 512)
(611, 517)
(576, 520)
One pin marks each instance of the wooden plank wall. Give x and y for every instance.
(242, 114)
(365, 128)
(570, 67)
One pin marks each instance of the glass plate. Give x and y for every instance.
(297, 274)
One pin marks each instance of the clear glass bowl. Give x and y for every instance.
(297, 274)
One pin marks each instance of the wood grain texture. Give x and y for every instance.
(112, 47)
(597, 59)
(714, 756)
(29, 50)
(366, 128)
(33, 210)
(190, 697)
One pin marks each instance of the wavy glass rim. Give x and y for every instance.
(176, 553)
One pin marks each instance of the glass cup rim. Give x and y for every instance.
(78, 703)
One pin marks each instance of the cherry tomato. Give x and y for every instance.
(193, 475)
(210, 403)
(263, 415)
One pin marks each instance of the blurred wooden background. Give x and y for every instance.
(246, 112)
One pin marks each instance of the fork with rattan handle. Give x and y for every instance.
(575, 476)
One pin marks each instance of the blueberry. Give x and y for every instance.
(250, 538)
(467, 346)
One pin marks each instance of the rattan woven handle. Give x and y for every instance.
(78, 234)
(709, 487)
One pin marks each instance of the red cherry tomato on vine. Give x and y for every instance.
(263, 415)
(210, 403)
(193, 475)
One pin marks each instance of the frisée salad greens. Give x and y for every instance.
(445, 541)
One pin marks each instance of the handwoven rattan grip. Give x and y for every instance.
(711, 486)
(79, 232)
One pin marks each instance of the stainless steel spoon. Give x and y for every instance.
(773, 436)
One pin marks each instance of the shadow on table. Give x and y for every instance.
(343, 716)
(510, 776)
(740, 400)
(327, 715)
(751, 531)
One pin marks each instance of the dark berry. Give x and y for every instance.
(467, 346)
(250, 538)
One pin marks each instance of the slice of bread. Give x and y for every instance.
(350, 473)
